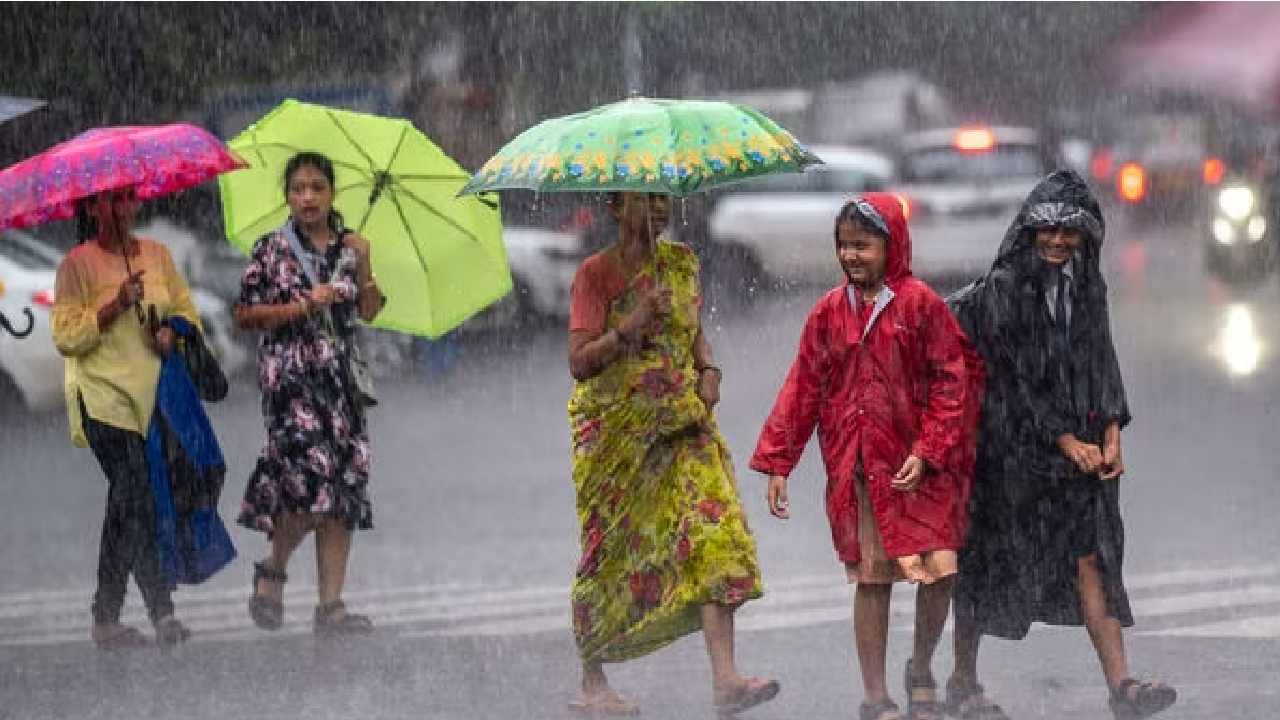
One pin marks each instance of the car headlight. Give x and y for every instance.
(1257, 227)
(1236, 202)
(1224, 231)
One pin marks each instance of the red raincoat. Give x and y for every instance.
(904, 386)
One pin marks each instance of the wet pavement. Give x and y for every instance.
(466, 573)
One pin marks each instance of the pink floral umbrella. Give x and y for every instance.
(157, 160)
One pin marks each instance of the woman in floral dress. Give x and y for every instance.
(314, 468)
(666, 549)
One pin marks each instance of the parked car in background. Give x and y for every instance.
(962, 187)
(872, 110)
(547, 237)
(778, 228)
(31, 368)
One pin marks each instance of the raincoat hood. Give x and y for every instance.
(1061, 199)
(884, 212)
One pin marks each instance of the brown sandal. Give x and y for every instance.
(267, 613)
(922, 696)
(884, 710)
(120, 637)
(970, 702)
(754, 692)
(333, 620)
(608, 703)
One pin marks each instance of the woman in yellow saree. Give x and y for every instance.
(666, 549)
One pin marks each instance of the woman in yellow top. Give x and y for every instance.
(665, 546)
(112, 371)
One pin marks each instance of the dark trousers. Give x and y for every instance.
(128, 530)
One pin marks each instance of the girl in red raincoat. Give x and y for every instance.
(882, 373)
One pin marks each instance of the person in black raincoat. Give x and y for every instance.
(1045, 541)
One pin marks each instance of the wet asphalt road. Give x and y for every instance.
(467, 569)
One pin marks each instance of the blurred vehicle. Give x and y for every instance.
(31, 369)
(1160, 161)
(543, 263)
(962, 187)
(778, 228)
(1241, 243)
(547, 237)
(874, 109)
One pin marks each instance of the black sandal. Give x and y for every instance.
(333, 620)
(1132, 699)
(969, 702)
(884, 710)
(266, 612)
(922, 709)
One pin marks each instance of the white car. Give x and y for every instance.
(31, 368)
(782, 225)
(543, 263)
(963, 187)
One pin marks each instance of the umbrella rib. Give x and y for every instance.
(408, 230)
(256, 148)
(427, 206)
(262, 217)
(413, 176)
(334, 119)
(385, 176)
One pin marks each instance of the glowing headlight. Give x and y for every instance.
(1224, 231)
(1236, 202)
(1257, 227)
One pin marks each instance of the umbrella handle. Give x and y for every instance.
(31, 321)
(128, 269)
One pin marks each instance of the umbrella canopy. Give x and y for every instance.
(157, 159)
(677, 147)
(439, 258)
(1225, 50)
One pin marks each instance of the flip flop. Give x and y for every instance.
(753, 693)
(608, 704)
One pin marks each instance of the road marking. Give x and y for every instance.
(1253, 627)
(474, 609)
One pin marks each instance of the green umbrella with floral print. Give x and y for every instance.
(677, 147)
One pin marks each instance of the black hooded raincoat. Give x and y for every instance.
(1033, 514)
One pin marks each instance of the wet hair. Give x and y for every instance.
(850, 214)
(86, 223)
(320, 162)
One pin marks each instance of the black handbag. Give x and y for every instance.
(211, 383)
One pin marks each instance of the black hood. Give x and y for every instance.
(1061, 199)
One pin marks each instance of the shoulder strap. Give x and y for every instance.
(295, 245)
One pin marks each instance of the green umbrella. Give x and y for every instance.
(677, 147)
(439, 258)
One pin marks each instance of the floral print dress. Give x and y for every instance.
(662, 528)
(316, 455)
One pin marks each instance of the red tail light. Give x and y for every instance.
(1131, 183)
(1214, 170)
(43, 298)
(1102, 164)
